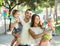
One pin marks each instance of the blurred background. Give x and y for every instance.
(45, 9)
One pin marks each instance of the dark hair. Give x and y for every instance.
(32, 20)
(28, 10)
(14, 11)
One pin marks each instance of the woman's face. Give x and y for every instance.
(37, 20)
(16, 15)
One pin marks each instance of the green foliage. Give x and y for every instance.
(38, 11)
(1, 1)
(58, 1)
(58, 26)
(51, 3)
(47, 3)
(33, 4)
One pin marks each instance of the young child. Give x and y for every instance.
(45, 41)
(16, 27)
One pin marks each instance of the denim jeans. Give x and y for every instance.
(24, 45)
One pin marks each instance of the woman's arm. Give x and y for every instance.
(35, 36)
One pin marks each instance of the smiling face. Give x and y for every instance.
(37, 20)
(28, 14)
(16, 15)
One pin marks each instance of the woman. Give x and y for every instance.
(16, 27)
(36, 30)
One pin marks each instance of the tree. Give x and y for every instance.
(10, 4)
(56, 2)
(47, 4)
(51, 4)
(32, 4)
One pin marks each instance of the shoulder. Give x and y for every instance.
(31, 31)
(31, 28)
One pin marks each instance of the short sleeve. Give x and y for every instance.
(31, 28)
(12, 20)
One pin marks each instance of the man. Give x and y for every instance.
(25, 37)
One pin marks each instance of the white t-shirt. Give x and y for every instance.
(25, 37)
(36, 30)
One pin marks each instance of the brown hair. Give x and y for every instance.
(32, 20)
(14, 11)
(48, 19)
(28, 10)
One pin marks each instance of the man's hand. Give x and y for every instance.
(17, 21)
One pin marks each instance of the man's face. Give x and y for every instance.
(28, 14)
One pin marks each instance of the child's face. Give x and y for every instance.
(16, 15)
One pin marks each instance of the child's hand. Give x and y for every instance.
(52, 28)
(45, 32)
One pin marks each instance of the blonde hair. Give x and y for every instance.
(50, 19)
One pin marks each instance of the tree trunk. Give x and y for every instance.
(46, 12)
(56, 1)
(9, 17)
(50, 11)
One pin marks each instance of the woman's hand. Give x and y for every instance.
(48, 31)
(41, 24)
